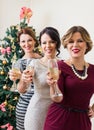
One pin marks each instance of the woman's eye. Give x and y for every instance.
(80, 41)
(29, 40)
(43, 42)
(71, 41)
(48, 42)
(22, 41)
(52, 41)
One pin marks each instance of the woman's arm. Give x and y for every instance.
(91, 111)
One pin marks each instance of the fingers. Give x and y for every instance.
(50, 82)
(27, 72)
(26, 77)
(59, 72)
(91, 112)
(50, 79)
(12, 75)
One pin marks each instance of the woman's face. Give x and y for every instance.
(27, 43)
(76, 46)
(48, 46)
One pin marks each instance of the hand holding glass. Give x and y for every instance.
(54, 72)
(93, 107)
(16, 71)
(29, 68)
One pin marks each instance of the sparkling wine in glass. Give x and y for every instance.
(16, 70)
(30, 68)
(54, 72)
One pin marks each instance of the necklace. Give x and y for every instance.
(82, 76)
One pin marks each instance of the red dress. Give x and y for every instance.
(71, 113)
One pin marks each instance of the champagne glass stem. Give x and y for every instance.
(57, 93)
(56, 90)
(14, 85)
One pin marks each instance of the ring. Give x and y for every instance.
(60, 94)
(57, 95)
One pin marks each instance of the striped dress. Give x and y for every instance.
(23, 101)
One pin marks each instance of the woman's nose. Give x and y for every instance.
(75, 43)
(27, 43)
(48, 44)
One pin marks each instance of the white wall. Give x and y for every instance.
(9, 13)
(61, 14)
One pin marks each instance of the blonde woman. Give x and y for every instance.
(76, 82)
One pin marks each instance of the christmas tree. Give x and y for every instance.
(10, 50)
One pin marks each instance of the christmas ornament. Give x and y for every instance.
(4, 62)
(2, 72)
(5, 87)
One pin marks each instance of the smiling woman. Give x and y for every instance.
(27, 41)
(10, 51)
(74, 112)
(36, 112)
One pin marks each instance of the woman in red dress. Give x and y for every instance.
(72, 111)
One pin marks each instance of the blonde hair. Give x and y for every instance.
(84, 34)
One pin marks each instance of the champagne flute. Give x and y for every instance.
(54, 72)
(16, 70)
(29, 68)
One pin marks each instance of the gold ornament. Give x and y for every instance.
(10, 106)
(5, 102)
(15, 98)
(5, 87)
(4, 62)
(2, 72)
(13, 108)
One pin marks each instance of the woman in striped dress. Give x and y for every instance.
(23, 102)
(27, 41)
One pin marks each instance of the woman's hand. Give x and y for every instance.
(25, 80)
(27, 76)
(55, 93)
(13, 75)
(91, 111)
(50, 80)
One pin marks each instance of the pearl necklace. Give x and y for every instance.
(84, 74)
